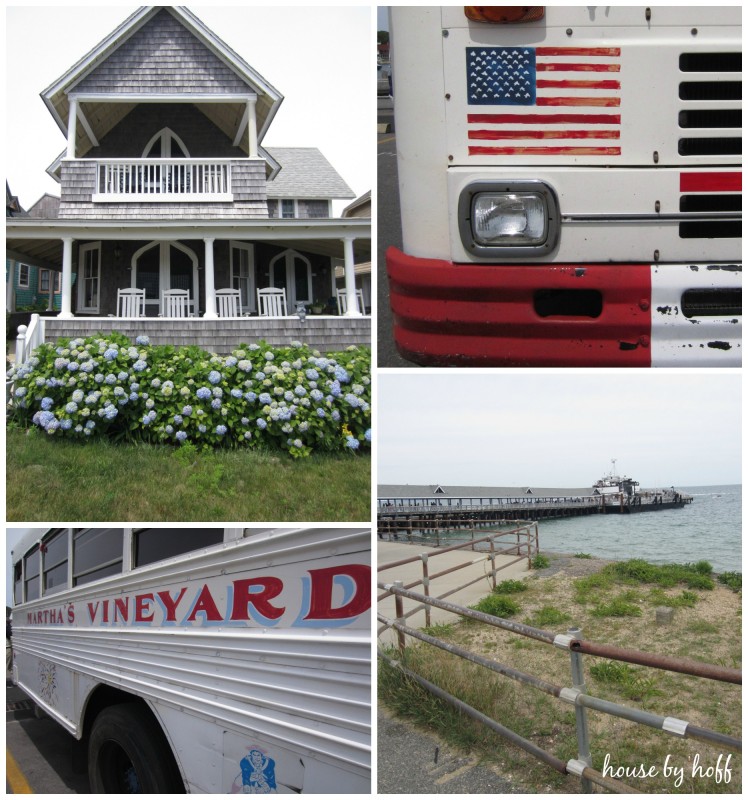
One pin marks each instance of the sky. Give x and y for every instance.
(554, 430)
(321, 59)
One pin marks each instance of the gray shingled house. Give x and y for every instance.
(165, 186)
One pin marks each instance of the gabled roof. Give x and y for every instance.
(12, 206)
(409, 491)
(56, 96)
(305, 173)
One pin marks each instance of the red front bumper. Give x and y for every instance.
(532, 315)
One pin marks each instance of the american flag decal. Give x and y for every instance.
(534, 119)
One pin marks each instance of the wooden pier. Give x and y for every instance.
(421, 520)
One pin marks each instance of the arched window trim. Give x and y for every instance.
(166, 135)
(287, 257)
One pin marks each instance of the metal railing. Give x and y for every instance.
(162, 179)
(575, 694)
(524, 546)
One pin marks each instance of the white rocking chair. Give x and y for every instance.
(343, 301)
(228, 303)
(175, 303)
(271, 302)
(130, 302)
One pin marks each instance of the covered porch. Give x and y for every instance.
(97, 259)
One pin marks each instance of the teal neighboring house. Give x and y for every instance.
(30, 286)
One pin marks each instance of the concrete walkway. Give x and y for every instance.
(478, 566)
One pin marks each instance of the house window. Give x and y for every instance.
(23, 276)
(287, 209)
(45, 276)
(272, 209)
(89, 259)
(243, 273)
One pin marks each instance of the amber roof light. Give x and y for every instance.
(504, 14)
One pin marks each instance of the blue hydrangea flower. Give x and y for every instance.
(261, 424)
(221, 429)
(335, 415)
(230, 361)
(88, 366)
(265, 399)
(214, 377)
(110, 379)
(298, 443)
(66, 424)
(110, 354)
(312, 374)
(248, 435)
(335, 389)
(215, 403)
(203, 393)
(244, 365)
(321, 413)
(139, 366)
(61, 363)
(71, 407)
(367, 435)
(90, 425)
(300, 391)
(269, 356)
(187, 410)
(217, 391)
(142, 340)
(341, 374)
(316, 395)
(259, 376)
(47, 403)
(236, 393)
(181, 435)
(202, 428)
(73, 366)
(352, 400)
(352, 442)
(21, 391)
(110, 412)
(250, 397)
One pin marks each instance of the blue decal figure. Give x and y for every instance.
(258, 773)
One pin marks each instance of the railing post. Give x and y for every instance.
(583, 738)
(426, 582)
(21, 345)
(399, 616)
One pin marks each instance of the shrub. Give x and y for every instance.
(510, 587)
(617, 607)
(548, 615)
(290, 398)
(628, 680)
(498, 605)
(540, 561)
(685, 599)
(732, 579)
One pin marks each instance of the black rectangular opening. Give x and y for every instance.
(716, 229)
(705, 118)
(712, 303)
(568, 303)
(711, 202)
(710, 62)
(710, 146)
(711, 90)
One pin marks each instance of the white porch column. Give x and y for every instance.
(350, 280)
(72, 118)
(252, 126)
(210, 284)
(10, 286)
(66, 304)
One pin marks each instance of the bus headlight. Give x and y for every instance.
(511, 219)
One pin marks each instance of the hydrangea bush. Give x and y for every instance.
(292, 398)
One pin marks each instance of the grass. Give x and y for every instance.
(98, 481)
(706, 627)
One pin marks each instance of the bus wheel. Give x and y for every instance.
(128, 754)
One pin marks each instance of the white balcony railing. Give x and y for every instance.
(163, 180)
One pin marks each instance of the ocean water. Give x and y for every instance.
(707, 529)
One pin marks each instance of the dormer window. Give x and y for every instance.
(165, 144)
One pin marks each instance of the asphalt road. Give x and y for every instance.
(41, 749)
(388, 233)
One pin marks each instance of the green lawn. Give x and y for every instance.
(63, 481)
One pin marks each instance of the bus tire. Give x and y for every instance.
(128, 753)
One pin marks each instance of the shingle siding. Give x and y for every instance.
(162, 57)
(79, 181)
(224, 335)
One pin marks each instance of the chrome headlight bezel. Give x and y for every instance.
(512, 247)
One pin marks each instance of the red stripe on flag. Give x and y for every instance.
(711, 181)
(578, 51)
(558, 67)
(578, 101)
(550, 119)
(531, 134)
(578, 84)
(544, 151)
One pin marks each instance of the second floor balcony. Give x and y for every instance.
(163, 180)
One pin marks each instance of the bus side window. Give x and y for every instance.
(156, 544)
(97, 553)
(55, 551)
(31, 570)
(17, 584)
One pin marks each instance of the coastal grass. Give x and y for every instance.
(99, 481)
(706, 627)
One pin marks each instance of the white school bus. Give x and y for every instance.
(214, 660)
(570, 185)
